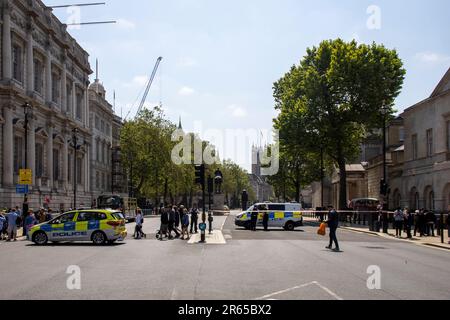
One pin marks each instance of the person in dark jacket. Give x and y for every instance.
(254, 218)
(431, 220)
(333, 224)
(194, 220)
(266, 221)
(172, 218)
(163, 231)
(422, 222)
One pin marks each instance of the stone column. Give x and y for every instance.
(30, 59)
(50, 157)
(48, 78)
(87, 170)
(64, 105)
(8, 148)
(6, 45)
(86, 107)
(32, 148)
(65, 163)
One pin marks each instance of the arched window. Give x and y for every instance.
(429, 198)
(397, 199)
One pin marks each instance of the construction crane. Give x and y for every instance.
(147, 89)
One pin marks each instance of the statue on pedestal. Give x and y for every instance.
(218, 180)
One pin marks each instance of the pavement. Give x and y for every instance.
(250, 266)
(435, 242)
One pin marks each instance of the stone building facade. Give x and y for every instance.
(425, 181)
(42, 65)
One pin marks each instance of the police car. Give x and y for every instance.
(98, 226)
(281, 215)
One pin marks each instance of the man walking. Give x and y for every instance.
(172, 216)
(164, 223)
(12, 218)
(194, 219)
(399, 221)
(185, 225)
(333, 224)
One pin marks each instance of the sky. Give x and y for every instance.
(221, 58)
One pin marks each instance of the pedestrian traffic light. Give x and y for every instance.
(200, 175)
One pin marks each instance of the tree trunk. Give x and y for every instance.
(342, 184)
(166, 190)
(297, 191)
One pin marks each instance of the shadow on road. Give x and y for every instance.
(270, 230)
(76, 244)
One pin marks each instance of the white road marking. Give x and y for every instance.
(331, 293)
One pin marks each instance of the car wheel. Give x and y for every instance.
(248, 225)
(98, 238)
(40, 238)
(290, 226)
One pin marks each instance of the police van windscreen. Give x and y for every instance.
(277, 207)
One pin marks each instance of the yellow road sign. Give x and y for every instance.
(25, 177)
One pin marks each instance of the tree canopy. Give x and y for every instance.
(338, 92)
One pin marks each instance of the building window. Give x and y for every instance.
(430, 143)
(38, 76)
(56, 166)
(17, 63)
(18, 154)
(414, 147)
(79, 173)
(103, 181)
(97, 149)
(448, 135)
(402, 135)
(102, 128)
(69, 99)
(39, 160)
(79, 112)
(97, 123)
(56, 84)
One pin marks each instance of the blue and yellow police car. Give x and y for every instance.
(98, 226)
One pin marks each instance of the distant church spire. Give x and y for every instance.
(96, 70)
(180, 125)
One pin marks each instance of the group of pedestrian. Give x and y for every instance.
(178, 220)
(423, 221)
(255, 217)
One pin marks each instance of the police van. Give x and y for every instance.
(281, 215)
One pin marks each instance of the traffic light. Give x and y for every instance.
(383, 188)
(200, 175)
(210, 185)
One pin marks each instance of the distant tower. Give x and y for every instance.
(256, 161)
(180, 125)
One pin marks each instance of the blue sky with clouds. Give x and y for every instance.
(222, 57)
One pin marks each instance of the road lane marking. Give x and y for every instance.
(331, 293)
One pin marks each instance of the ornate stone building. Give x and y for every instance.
(41, 64)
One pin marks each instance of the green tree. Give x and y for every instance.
(334, 96)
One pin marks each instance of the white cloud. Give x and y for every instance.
(125, 24)
(237, 111)
(186, 62)
(138, 81)
(432, 57)
(186, 91)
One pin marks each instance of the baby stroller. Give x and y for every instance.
(162, 233)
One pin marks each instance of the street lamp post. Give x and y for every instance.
(75, 147)
(27, 108)
(385, 112)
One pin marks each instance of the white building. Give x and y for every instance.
(44, 66)
(425, 182)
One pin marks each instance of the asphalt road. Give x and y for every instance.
(261, 265)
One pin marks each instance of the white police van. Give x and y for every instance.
(281, 215)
